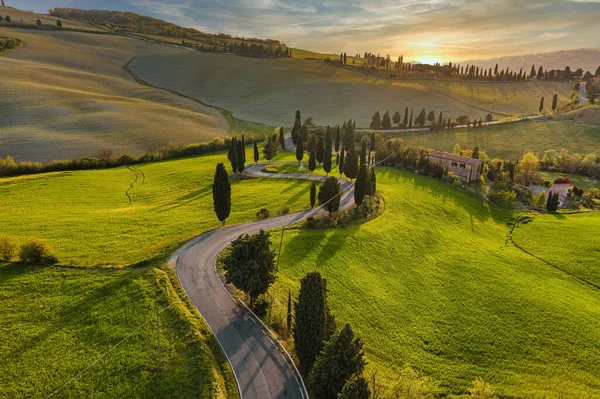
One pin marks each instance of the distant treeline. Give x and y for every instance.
(243, 49)
(119, 21)
(105, 158)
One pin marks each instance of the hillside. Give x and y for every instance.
(435, 283)
(66, 95)
(586, 58)
(271, 90)
(27, 18)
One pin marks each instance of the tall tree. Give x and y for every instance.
(396, 118)
(327, 153)
(221, 189)
(297, 126)
(410, 121)
(532, 73)
(341, 163)
(371, 182)
(431, 116)
(360, 187)
(313, 194)
(475, 154)
(330, 195)
(351, 164)
(386, 123)
(320, 151)
(376, 121)
(250, 264)
(405, 121)
(541, 105)
(313, 320)
(256, 154)
(554, 102)
(232, 154)
(244, 148)
(363, 151)
(341, 358)
(299, 150)
(281, 138)
(312, 162)
(289, 311)
(337, 139)
(540, 74)
(357, 387)
(240, 156)
(349, 140)
(304, 133)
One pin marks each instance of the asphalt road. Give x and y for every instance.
(260, 368)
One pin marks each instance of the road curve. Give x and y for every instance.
(259, 367)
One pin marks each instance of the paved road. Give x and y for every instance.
(259, 367)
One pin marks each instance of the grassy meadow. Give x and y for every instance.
(112, 230)
(513, 140)
(271, 90)
(66, 95)
(434, 283)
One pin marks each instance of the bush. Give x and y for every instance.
(562, 180)
(37, 252)
(261, 305)
(8, 248)
(262, 214)
(284, 211)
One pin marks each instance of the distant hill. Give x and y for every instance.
(586, 58)
(121, 21)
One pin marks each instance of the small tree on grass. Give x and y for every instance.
(39, 22)
(554, 102)
(312, 162)
(281, 138)
(299, 151)
(8, 19)
(37, 252)
(340, 359)
(314, 323)
(59, 23)
(541, 108)
(250, 264)
(232, 155)
(8, 248)
(221, 189)
(330, 195)
(256, 154)
(240, 156)
(376, 121)
(386, 122)
(327, 153)
(270, 150)
(357, 387)
(320, 151)
(360, 187)
(351, 164)
(313, 195)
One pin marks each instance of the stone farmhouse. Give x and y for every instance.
(468, 169)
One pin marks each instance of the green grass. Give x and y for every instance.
(513, 140)
(294, 168)
(577, 180)
(566, 242)
(57, 320)
(432, 282)
(86, 215)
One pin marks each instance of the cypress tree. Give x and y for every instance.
(349, 140)
(299, 151)
(330, 195)
(221, 189)
(405, 116)
(386, 123)
(320, 152)
(554, 102)
(351, 164)
(376, 121)
(256, 154)
(363, 151)
(410, 122)
(281, 138)
(243, 148)
(289, 312)
(312, 162)
(327, 153)
(240, 157)
(297, 126)
(270, 149)
(475, 153)
(541, 104)
(313, 320)
(360, 186)
(313, 194)
(371, 182)
(532, 73)
(232, 155)
(337, 139)
(396, 118)
(341, 163)
(340, 359)
(372, 147)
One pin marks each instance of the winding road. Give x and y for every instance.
(260, 369)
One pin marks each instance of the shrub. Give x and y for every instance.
(261, 305)
(284, 211)
(262, 214)
(562, 180)
(577, 191)
(8, 248)
(37, 252)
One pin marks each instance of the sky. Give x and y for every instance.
(424, 31)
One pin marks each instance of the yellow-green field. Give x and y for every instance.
(66, 95)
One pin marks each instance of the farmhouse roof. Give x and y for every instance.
(454, 157)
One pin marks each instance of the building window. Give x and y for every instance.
(454, 164)
(462, 165)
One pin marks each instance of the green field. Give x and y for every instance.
(434, 283)
(58, 319)
(513, 140)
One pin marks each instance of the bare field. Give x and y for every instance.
(66, 94)
(270, 90)
(30, 18)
